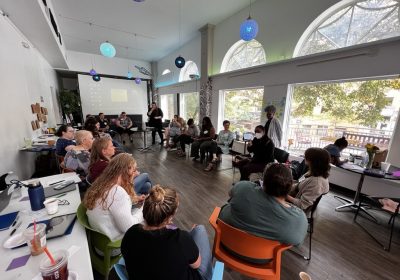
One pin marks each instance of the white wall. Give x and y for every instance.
(190, 51)
(82, 62)
(97, 97)
(24, 77)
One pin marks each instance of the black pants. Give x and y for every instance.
(157, 128)
(121, 131)
(183, 139)
(247, 167)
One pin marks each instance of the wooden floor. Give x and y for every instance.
(341, 249)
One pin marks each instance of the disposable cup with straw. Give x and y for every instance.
(54, 266)
(35, 237)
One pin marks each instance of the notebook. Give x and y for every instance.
(50, 191)
(7, 220)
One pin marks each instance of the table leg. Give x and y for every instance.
(145, 147)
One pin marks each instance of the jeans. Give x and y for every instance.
(142, 183)
(200, 237)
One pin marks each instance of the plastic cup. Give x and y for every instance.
(36, 240)
(51, 205)
(57, 271)
(385, 166)
(51, 142)
(28, 143)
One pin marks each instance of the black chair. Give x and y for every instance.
(374, 203)
(310, 212)
(281, 155)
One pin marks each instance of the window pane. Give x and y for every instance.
(189, 106)
(364, 112)
(168, 106)
(243, 108)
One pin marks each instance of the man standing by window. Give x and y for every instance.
(273, 127)
(155, 120)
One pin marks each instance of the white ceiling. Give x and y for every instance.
(156, 23)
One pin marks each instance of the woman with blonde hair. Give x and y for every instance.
(102, 152)
(78, 157)
(178, 254)
(109, 200)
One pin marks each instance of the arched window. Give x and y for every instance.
(165, 72)
(189, 69)
(351, 22)
(243, 55)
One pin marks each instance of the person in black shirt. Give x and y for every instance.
(204, 141)
(262, 148)
(104, 123)
(157, 250)
(155, 120)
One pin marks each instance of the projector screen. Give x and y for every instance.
(112, 96)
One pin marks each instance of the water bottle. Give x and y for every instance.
(36, 195)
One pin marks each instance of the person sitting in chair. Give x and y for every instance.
(335, 149)
(65, 142)
(104, 123)
(263, 153)
(102, 152)
(123, 125)
(315, 182)
(263, 211)
(174, 130)
(177, 254)
(221, 145)
(187, 137)
(78, 157)
(109, 200)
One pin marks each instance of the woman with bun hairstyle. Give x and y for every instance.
(335, 149)
(109, 200)
(156, 251)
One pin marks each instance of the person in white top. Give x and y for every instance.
(109, 200)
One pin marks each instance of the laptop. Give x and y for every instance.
(59, 226)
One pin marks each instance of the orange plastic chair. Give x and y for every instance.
(247, 245)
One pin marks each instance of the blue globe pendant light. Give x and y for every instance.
(129, 75)
(92, 72)
(248, 29)
(107, 49)
(96, 78)
(138, 81)
(180, 62)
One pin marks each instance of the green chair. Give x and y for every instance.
(101, 242)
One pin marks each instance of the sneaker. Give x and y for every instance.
(209, 167)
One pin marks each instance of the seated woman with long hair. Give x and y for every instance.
(109, 200)
(315, 182)
(102, 152)
(204, 141)
(155, 251)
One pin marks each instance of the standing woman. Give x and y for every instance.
(109, 200)
(102, 152)
(65, 142)
(155, 120)
(204, 141)
(153, 251)
(314, 182)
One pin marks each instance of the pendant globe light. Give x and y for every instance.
(96, 78)
(107, 49)
(180, 61)
(92, 72)
(138, 81)
(248, 28)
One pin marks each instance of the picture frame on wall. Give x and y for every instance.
(33, 124)
(37, 124)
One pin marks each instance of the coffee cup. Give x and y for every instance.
(51, 205)
(36, 239)
(304, 276)
(58, 270)
(385, 166)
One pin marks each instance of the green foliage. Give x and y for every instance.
(70, 102)
(359, 102)
(243, 108)
(192, 106)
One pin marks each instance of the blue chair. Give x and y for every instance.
(123, 275)
(121, 270)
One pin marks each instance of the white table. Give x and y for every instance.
(78, 262)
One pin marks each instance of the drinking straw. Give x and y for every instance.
(52, 261)
(33, 241)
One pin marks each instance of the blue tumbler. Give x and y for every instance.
(36, 195)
